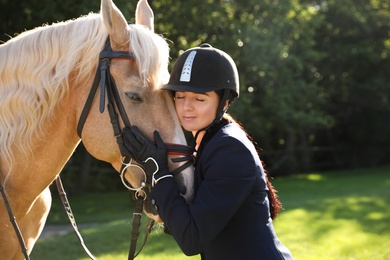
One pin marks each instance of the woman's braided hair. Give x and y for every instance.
(275, 204)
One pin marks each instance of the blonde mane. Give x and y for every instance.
(37, 66)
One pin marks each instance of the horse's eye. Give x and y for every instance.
(134, 97)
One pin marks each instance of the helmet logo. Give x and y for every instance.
(187, 67)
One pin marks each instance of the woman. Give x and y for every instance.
(231, 214)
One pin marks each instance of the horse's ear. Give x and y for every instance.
(144, 14)
(115, 23)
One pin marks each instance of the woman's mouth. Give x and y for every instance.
(188, 118)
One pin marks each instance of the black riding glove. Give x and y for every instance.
(153, 157)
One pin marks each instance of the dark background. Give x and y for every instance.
(314, 74)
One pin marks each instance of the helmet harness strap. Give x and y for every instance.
(220, 112)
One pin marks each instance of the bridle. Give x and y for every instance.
(107, 83)
(115, 106)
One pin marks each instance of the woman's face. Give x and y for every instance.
(196, 110)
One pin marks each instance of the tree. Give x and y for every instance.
(355, 79)
(274, 55)
(313, 73)
(18, 16)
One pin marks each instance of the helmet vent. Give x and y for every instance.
(187, 67)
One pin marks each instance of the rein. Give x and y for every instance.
(14, 223)
(108, 87)
(107, 84)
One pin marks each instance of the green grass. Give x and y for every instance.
(336, 215)
(333, 215)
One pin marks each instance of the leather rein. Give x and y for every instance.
(108, 88)
(107, 84)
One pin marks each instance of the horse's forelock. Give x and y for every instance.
(152, 55)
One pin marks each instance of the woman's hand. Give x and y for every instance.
(153, 157)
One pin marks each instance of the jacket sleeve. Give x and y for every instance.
(229, 171)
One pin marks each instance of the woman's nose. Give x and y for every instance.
(187, 104)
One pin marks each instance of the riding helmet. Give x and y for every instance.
(204, 69)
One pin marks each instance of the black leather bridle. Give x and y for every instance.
(115, 106)
(107, 83)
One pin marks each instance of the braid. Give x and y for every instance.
(274, 202)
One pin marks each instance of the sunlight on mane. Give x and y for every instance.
(37, 67)
(152, 55)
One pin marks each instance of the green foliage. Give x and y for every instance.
(18, 16)
(355, 78)
(314, 74)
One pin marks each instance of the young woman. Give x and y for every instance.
(231, 214)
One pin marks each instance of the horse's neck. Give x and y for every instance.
(34, 169)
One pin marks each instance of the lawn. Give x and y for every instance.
(331, 215)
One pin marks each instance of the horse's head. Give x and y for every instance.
(138, 81)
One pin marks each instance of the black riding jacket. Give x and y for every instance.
(229, 217)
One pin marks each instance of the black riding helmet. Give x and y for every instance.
(204, 69)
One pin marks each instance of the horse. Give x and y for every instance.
(45, 79)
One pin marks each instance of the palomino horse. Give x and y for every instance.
(45, 78)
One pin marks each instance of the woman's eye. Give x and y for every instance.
(200, 99)
(179, 97)
(134, 97)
